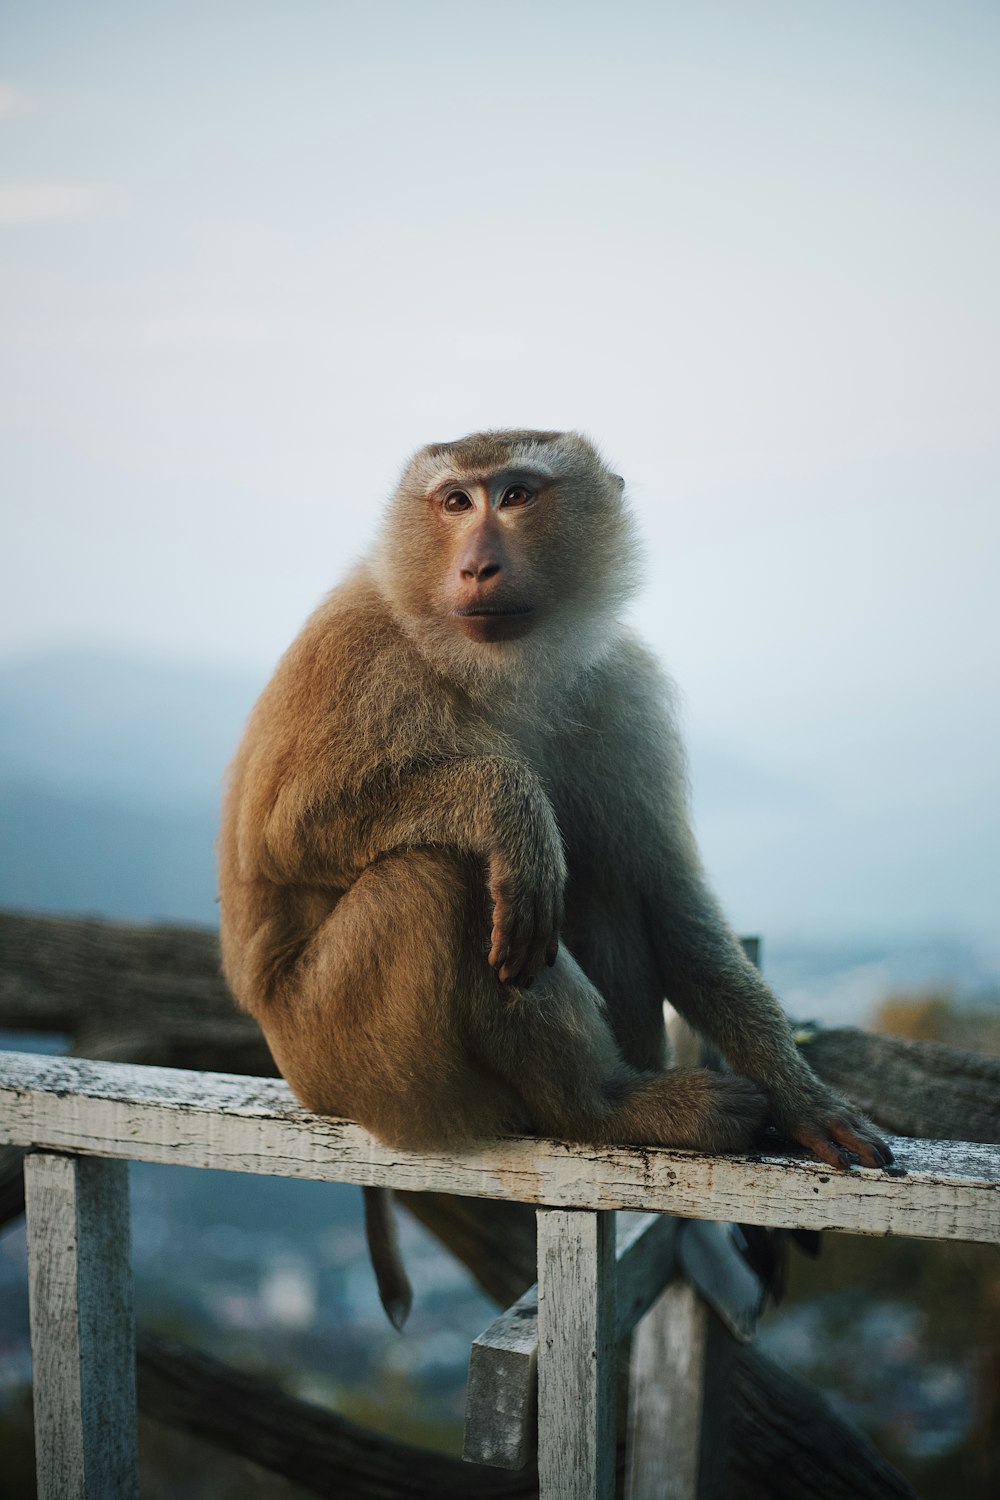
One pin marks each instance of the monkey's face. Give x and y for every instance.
(489, 529)
(506, 536)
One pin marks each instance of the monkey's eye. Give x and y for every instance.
(457, 500)
(517, 494)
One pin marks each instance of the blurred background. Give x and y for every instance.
(251, 255)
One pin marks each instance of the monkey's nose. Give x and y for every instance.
(478, 569)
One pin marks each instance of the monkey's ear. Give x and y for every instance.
(619, 481)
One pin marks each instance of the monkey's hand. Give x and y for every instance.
(828, 1125)
(527, 917)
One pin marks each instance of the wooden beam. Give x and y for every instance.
(501, 1410)
(241, 1124)
(645, 1249)
(788, 1445)
(82, 1328)
(677, 1448)
(576, 1355)
(708, 1258)
(148, 994)
(500, 1407)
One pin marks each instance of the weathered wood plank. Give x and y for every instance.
(147, 994)
(645, 1251)
(500, 1407)
(710, 1261)
(82, 1328)
(788, 1445)
(678, 1407)
(309, 1446)
(576, 1355)
(253, 1125)
(683, 1355)
(676, 1447)
(500, 1403)
(666, 1381)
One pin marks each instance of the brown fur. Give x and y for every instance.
(463, 753)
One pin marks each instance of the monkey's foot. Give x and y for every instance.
(838, 1134)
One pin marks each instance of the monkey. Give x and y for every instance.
(458, 877)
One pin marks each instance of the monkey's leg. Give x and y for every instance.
(606, 933)
(394, 1018)
(372, 1020)
(555, 1046)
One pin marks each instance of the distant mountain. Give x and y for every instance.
(101, 857)
(129, 729)
(110, 777)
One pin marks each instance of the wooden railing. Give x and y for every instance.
(81, 1121)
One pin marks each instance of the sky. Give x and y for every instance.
(252, 255)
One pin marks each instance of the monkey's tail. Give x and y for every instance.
(387, 1261)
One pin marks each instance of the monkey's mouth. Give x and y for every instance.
(495, 609)
(494, 622)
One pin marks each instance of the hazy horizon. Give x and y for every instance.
(251, 256)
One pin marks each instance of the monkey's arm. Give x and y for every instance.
(715, 987)
(492, 807)
(701, 963)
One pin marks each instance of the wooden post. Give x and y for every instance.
(82, 1327)
(576, 1355)
(501, 1410)
(679, 1373)
(679, 1400)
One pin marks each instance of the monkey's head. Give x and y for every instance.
(508, 551)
